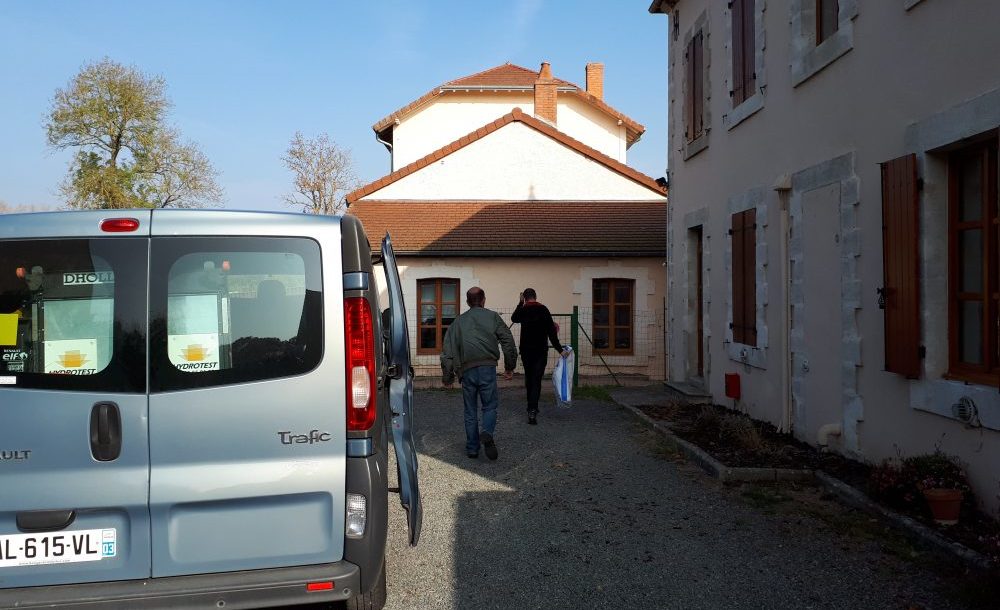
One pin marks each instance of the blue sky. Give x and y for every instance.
(244, 76)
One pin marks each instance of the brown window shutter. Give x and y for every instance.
(689, 93)
(901, 265)
(738, 59)
(749, 49)
(739, 283)
(699, 84)
(750, 276)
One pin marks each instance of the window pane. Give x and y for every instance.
(623, 315)
(449, 312)
(600, 291)
(623, 338)
(72, 313)
(428, 314)
(428, 337)
(970, 323)
(601, 314)
(601, 338)
(449, 292)
(234, 310)
(623, 292)
(970, 252)
(970, 206)
(829, 18)
(427, 292)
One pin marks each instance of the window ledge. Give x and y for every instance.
(937, 396)
(695, 146)
(811, 62)
(747, 354)
(745, 110)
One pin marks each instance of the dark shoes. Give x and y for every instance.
(473, 455)
(489, 445)
(533, 419)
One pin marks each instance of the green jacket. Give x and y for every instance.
(472, 340)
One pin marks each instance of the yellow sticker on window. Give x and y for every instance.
(8, 328)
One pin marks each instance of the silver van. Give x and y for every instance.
(196, 408)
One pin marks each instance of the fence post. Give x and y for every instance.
(574, 340)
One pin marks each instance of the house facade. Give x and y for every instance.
(511, 178)
(833, 234)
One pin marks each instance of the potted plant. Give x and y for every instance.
(942, 481)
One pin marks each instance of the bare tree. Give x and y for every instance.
(6, 208)
(324, 173)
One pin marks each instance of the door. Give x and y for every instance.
(401, 396)
(247, 420)
(73, 405)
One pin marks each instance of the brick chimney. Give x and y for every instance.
(545, 94)
(595, 80)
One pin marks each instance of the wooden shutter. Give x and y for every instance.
(689, 92)
(901, 265)
(699, 84)
(750, 276)
(749, 50)
(739, 285)
(736, 6)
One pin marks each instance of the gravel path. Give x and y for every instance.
(588, 509)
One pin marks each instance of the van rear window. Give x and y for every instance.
(72, 314)
(233, 310)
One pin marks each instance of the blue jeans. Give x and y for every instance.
(479, 384)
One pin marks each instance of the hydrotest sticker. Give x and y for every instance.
(71, 357)
(194, 353)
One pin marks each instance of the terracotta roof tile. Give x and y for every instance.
(521, 228)
(515, 115)
(509, 76)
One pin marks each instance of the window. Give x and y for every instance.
(73, 314)
(438, 307)
(613, 305)
(744, 233)
(743, 50)
(695, 103)
(973, 285)
(234, 310)
(827, 19)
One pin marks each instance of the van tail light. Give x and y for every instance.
(119, 225)
(359, 333)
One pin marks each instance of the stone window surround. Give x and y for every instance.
(755, 356)
(690, 149)
(755, 102)
(808, 58)
(692, 219)
(908, 4)
(645, 287)
(929, 139)
(838, 170)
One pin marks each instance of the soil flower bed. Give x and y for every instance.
(736, 440)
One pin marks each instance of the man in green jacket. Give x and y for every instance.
(471, 351)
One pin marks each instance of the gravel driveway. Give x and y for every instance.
(588, 509)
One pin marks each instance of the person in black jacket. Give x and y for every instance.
(537, 330)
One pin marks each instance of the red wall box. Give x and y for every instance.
(733, 386)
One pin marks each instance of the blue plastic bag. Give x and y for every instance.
(562, 380)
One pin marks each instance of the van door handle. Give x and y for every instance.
(105, 432)
(44, 520)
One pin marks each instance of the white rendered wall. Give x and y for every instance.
(454, 115)
(517, 162)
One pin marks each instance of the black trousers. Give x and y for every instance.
(534, 368)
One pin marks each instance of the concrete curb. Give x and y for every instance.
(844, 492)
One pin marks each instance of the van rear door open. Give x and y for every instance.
(74, 452)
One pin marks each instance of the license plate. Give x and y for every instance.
(57, 547)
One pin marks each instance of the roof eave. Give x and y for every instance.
(662, 6)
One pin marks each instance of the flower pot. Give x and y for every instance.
(945, 504)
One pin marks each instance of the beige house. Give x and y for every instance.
(832, 235)
(511, 178)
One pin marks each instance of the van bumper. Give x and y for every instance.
(248, 589)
